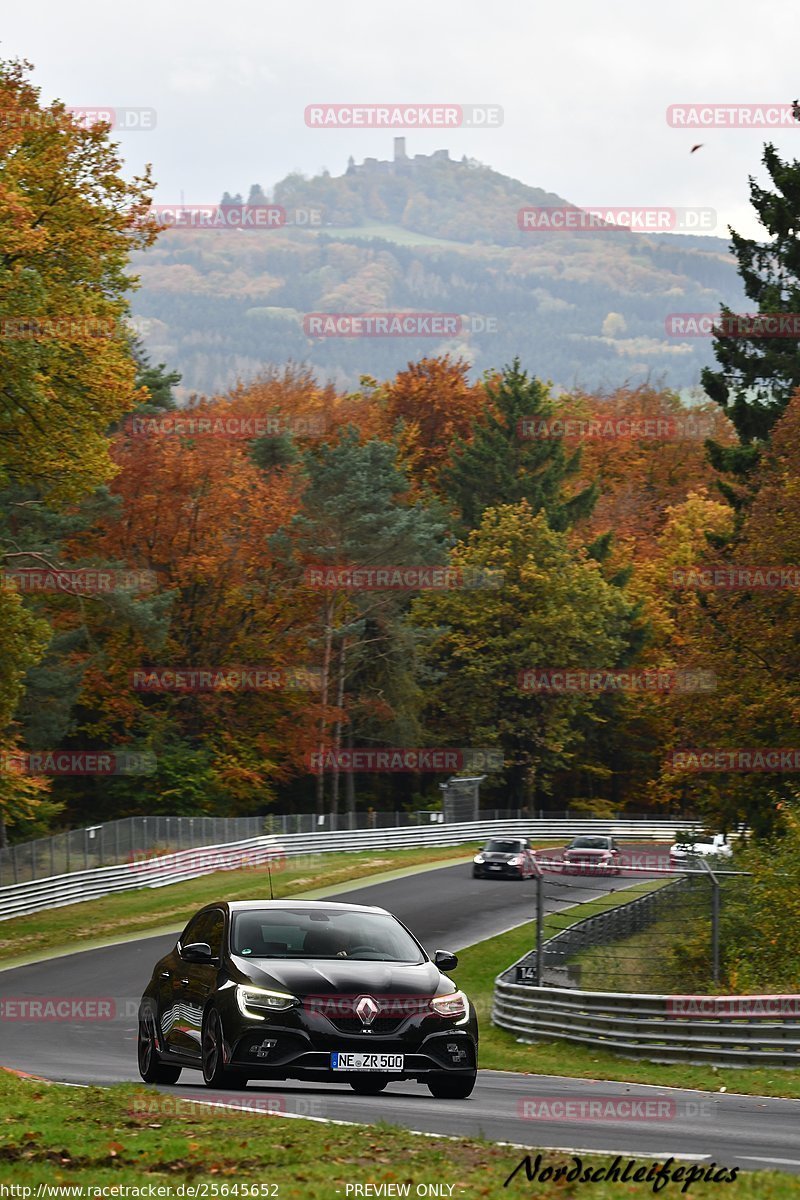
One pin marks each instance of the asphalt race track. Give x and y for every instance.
(446, 909)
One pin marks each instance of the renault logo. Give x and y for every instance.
(366, 1010)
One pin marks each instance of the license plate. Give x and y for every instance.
(494, 867)
(366, 1062)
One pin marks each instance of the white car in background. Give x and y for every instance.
(701, 845)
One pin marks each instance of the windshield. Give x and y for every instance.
(299, 933)
(589, 843)
(497, 846)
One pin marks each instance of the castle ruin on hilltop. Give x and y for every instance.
(400, 164)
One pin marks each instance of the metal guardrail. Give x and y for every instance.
(723, 1031)
(122, 840)
(56, 891)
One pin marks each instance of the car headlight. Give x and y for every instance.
(478, 858)
(256, 1002)
(453, 1005)
(516, 861)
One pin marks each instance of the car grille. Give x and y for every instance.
(379, 1025)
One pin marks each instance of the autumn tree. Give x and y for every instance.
(644, 449)
(428, 406)
(552, 609)
(198, 512)
(748, 637)
(69, 223)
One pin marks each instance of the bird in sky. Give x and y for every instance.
(697, 147)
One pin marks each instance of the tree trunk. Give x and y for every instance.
(326, 673)
(3, 834)
(350, 784)
(337, 737)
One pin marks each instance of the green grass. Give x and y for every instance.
(630, 965)
(478, 966)
(132, 1136)
(130, 913)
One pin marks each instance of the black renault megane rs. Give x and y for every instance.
(305, 989)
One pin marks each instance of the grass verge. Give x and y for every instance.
(133, 1137)
(629, 964)
(478, 966)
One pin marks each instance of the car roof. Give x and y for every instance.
(311, 905)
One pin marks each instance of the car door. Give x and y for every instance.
(192, 982)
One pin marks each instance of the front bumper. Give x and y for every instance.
(284, 1055)
(495, 871)
(298, 1045)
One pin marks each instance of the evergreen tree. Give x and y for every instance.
(356, 512)
(257, 197)
(511, 457)
(757, 374)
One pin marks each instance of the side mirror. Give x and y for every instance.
(445, 960)
(197, 952)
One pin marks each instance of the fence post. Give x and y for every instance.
(714, 922)
(539, 925)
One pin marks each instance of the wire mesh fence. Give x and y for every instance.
(633, 927)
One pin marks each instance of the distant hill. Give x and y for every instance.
(427, 234)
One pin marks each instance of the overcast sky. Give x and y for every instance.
(584, 87)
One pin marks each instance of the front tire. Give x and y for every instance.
(151, 1069)
(451, 1087)
(215, 1073)
(370, 1085)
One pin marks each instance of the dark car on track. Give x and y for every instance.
(505, 857)
(310, 990)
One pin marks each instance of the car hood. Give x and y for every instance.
(307, 976)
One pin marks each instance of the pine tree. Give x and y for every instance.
(757, 374)
(507, 461)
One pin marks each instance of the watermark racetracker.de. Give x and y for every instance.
(412, 578)
(558, 681)
(79, 762)
(566, 218)
(396, 324)
(224, 679)
(403, 116)
(393, 759)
